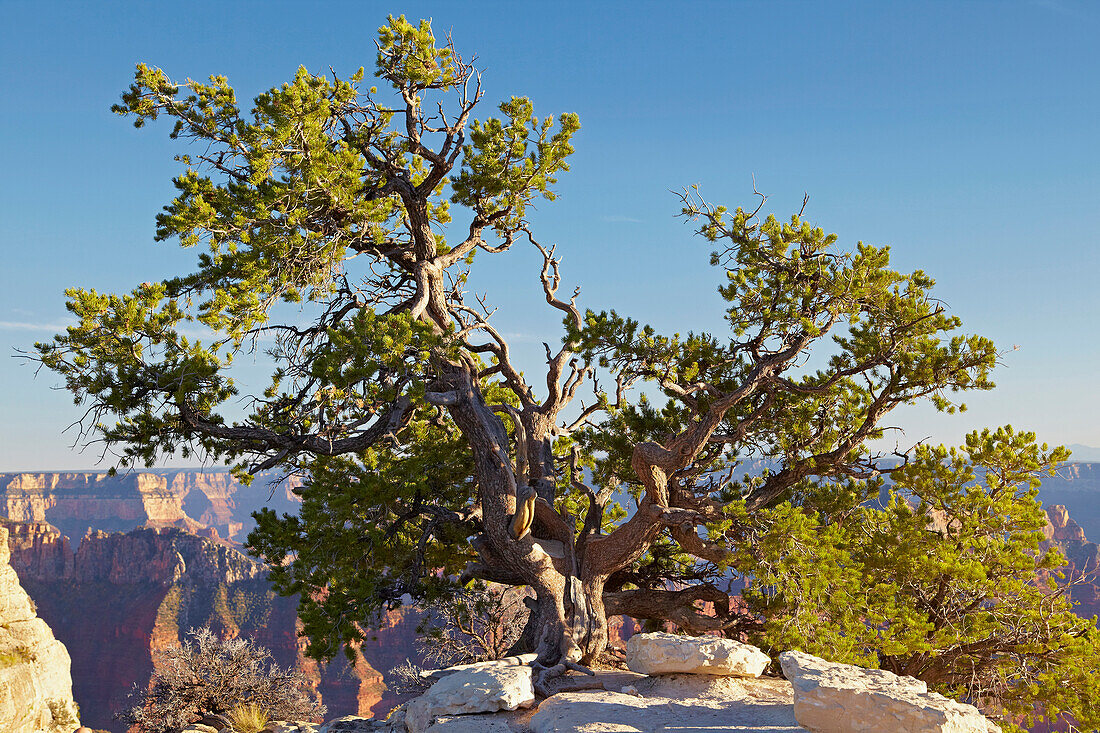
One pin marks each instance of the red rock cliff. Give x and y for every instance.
(121, 597)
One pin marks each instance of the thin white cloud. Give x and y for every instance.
(521, 337)
(28, 326)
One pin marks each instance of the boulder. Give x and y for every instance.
(472, 691)
(348, 724)
(520, 660)
(841, 698)
(660, 653)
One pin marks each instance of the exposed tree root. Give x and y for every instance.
(545, 674)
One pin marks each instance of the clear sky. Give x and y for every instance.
(966, 135)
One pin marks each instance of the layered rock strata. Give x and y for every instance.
(195, 500)
(1064, 532)
(120, 598)
(35, 688)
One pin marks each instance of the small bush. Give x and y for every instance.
(17, 655)
(208, 676)
(474, 624)
(65, 714)
(405, 679)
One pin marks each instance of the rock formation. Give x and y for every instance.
(35, 688)
(1077, 487)
(694, 703)
(472, 691)
(816, 697)
(1065, 533)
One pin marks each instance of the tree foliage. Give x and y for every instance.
(946, 579)
(432, 458)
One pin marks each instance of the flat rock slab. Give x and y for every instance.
(516, 661)
(470, 724)
(472, 691)
(841, 698)
(347, 724)
(675, 704)
(660, 653)
(284, 726)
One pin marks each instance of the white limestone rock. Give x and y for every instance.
(470, 724)
(520, 660)
(841, 698)
(472, 691)
(36, 692)
(674, 704)
(591, 712)
(660, 653)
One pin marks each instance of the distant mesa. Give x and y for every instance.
(209, 502)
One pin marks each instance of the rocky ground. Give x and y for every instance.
(713, 685)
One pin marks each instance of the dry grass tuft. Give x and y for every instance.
(249, 718)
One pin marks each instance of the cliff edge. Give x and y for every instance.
(35, 687)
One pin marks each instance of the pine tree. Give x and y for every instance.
(432, 458)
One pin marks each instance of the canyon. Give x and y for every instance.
(119, 598)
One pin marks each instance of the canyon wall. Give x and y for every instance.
(201, 500)
(1083, 558)
(120, 598)
(1077, 487)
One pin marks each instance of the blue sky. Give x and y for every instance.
(965, 135)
